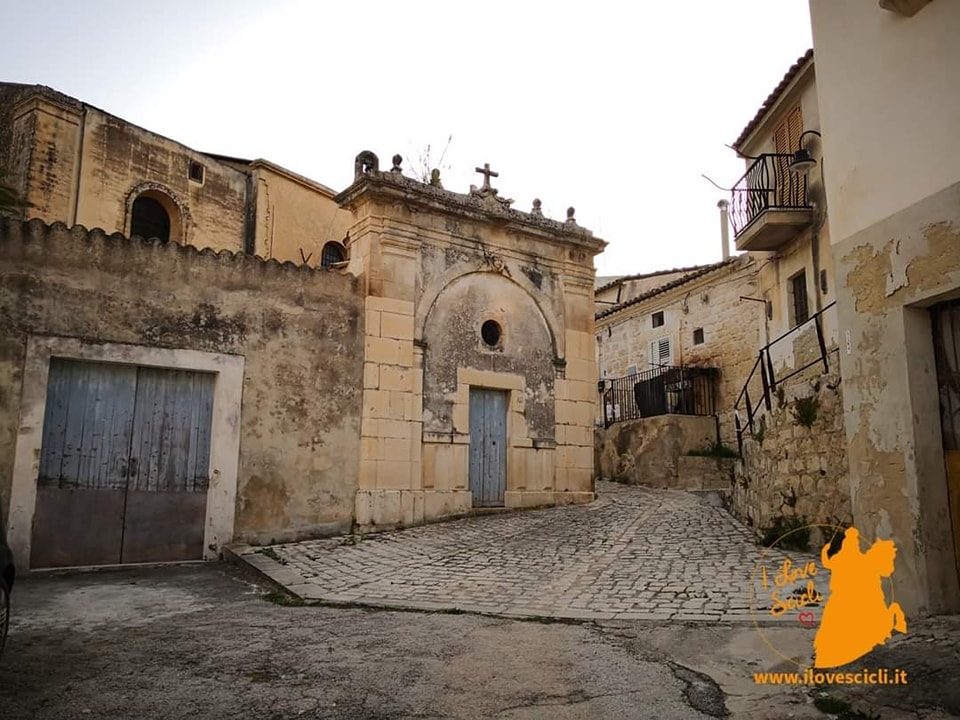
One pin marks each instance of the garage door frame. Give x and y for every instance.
(225, 429)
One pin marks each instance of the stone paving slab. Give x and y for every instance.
(634, 554)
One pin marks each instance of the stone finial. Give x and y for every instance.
(537, 209)
(364, 163)
(571, 211)
(397, 159)
(435, 178)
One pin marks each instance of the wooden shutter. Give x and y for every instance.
(660, 352)
(786, 139)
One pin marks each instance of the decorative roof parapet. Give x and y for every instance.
(37, 230)
(483, 202)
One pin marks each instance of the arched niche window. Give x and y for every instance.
(150, 219)
(333, 252)
(154, 214)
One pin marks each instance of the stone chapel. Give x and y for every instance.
(198, 349)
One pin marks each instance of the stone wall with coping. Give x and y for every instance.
(300, 331)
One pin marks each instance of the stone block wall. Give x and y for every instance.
(649, 451)
(792, 471)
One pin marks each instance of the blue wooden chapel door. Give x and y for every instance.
(488, 446)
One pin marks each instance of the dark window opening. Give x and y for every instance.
(698, 336)
(150, 219)
(333, 252)
(491, 333)
(798, 289)
(196, 172)
(657, 319)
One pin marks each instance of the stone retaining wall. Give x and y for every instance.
(791, 471)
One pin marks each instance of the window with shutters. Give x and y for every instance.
(660, 353)
(786, 141)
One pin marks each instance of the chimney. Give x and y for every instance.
(724, 228)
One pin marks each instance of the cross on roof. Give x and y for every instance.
(487, 174)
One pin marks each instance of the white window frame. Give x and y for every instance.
(656, 354)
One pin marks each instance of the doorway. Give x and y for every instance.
(124, 465)
(945, 319)
(488, 446)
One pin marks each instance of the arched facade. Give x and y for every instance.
(453, 337)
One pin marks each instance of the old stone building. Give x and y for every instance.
(418, 353)
(794, 467)
(696, 320)
(887, 85)
(79, 165)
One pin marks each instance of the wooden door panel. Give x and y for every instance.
(87, 425)
(488, 446)
(171, 434)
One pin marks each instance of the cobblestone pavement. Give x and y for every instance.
(634, 554)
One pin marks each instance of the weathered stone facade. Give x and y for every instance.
(705, 300)
(342, 397)
(79, 165)
(436, 266)
(298, 439)
(895, 228)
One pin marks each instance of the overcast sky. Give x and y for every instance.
(615, 111)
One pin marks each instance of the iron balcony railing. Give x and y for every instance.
(768, 378)
(768, 184)
(661, 391)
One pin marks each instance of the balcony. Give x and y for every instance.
(769, 205)
(668, 390)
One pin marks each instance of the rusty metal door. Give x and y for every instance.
(123, 465)
(946, 343)
(488, 447)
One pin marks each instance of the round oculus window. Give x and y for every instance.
(491, 333)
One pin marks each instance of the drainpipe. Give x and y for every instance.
(725, 227)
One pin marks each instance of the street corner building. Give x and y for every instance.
(236, 353)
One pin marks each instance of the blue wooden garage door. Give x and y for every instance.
(488, 446)
(124, 465)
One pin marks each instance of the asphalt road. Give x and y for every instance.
(201, 641)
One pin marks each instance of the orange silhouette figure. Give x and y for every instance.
(856, 617)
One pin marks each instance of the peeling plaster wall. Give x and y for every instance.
(890, 82)
(300, 331)
(891, 273)
(452, 337)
